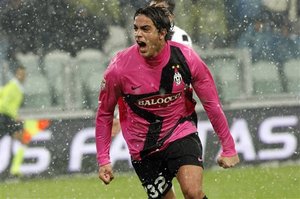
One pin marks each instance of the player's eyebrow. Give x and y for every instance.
(143, 27)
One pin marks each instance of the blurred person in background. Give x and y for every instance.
(11, 98)
(268, 38)
(239, 15)
(31, 128)
(150, 81)
(178, 35)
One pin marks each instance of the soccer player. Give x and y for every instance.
(31, 129)
(177, 34)
(152, 83)
(11, 98)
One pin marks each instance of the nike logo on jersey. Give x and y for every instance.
(199, 159)
(135, 87)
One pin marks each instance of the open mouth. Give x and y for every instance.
(141, 44)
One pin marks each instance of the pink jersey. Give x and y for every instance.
(153, 102)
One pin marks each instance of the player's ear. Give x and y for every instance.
(162, 34)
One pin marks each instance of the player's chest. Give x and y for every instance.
(143, 80)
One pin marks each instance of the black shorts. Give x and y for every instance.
(156, 171)
(8, 125)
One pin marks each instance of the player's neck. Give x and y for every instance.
(160, 56)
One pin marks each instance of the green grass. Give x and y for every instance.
(245, 183)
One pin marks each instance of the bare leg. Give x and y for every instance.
(190, 179)
(170, 194)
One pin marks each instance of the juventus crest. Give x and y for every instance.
(177, 75)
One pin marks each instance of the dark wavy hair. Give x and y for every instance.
(171, 4)
(159, 17)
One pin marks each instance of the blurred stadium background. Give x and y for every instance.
(252, 48)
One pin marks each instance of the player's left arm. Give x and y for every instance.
(205, 88)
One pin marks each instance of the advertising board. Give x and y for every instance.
(67, 146)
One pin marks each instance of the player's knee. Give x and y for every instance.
(191, 192)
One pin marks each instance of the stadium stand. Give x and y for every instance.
(292, 69)
(74, 82)
(227, 76)
(91, 66)
(265, 77)
(231, 69)
(55, 67)
(117, 39)
(37, 93)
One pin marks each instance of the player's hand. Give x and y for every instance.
(106, 173)
(228, 162)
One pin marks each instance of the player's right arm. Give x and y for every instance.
(109, 94)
